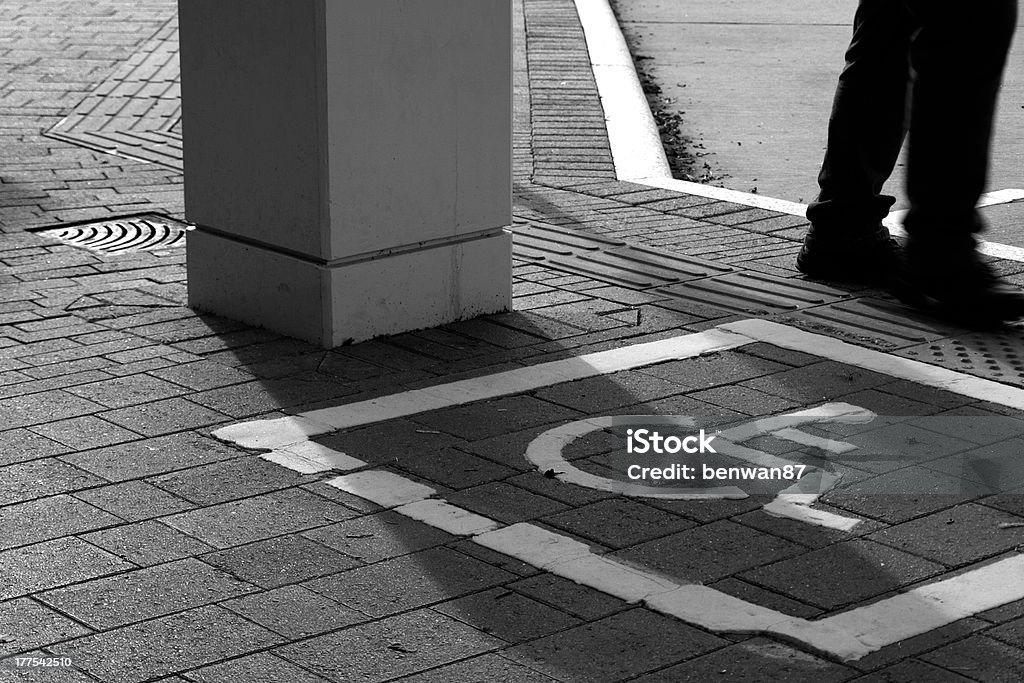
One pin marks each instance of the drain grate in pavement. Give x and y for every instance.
(998, 357)
(122, 235)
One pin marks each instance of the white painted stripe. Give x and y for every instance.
(716, 611)
(632, 133)
(814, 441)
(386, 489)
(538, 547)
(522, 379)
(294, 462)
(868, 359)
(756, 201)
(795, 505)
(271, 434)
(613, 577)
(309, 457)
(443, 515)
(844, 413)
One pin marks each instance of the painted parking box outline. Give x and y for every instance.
(849, 635)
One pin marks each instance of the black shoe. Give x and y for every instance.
(870, 257)
(957, 285)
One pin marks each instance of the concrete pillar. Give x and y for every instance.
(348, 163)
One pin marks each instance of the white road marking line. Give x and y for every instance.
(309, 457)
(270, 434)
(447, 517)
(755, 201)
(814, 441)
(387, 489)
(830, 412)
(849, 635)
(636, 145)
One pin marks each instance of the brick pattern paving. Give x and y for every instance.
(136, 112)
(134, 543)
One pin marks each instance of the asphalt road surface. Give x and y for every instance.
(753, 83)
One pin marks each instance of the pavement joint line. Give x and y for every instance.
(848, 635)
(639, 156)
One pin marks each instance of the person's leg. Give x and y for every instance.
(867, 123)
(958, 57)
(866, 128)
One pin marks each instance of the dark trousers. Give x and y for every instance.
(930, 70)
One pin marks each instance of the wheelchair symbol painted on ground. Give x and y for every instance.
(547, 453)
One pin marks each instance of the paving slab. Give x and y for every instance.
(408, 582)
(380, 650)
(294, 611)
(138, 595)
(252, 519)
(166, 645)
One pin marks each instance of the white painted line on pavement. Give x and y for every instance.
(309, 457)
(756, 201)
(636, 145)
(270, 434)
(387, 489)
(447, 517)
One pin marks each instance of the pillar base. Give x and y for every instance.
(331, 304)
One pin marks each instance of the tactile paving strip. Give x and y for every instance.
(694, 286)
(755, 293)
(136, 112)
(880, 323)
(122, 235)
(611, 261)
(995, 356)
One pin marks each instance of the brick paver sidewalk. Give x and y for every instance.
(135, 545)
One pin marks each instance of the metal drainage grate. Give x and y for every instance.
(122, 235)
(994, 356)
